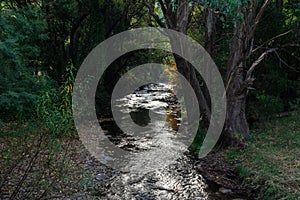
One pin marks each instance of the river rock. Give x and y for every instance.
(101, 177)
(225, 191)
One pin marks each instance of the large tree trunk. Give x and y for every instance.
(181, 19)
(236, 127)
(210, 29)
(239, 77)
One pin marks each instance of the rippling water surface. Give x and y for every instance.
(176, 178)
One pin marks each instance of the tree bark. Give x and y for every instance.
(236, 128)
(210, 30)
(181, 19)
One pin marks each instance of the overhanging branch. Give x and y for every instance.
(256, 62)
(272, 39)
(261, 12)
(285, 63)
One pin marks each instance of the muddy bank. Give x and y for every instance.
(223, 180)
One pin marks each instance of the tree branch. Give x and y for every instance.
(261, 12)
(282, 61)
(255, 63)
(272, 39)
(154, 15)
(163, 8)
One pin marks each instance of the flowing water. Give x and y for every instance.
(155, 146)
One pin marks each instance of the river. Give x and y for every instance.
(175, 179)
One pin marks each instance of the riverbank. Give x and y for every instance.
(271, 161)
(223, 177)
(268, 168)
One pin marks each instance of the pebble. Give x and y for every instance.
(225, 191)
(101, 177)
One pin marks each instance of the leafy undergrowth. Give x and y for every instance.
(37, 165)
(272, 158)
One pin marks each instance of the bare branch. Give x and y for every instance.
(245, 85)
(258, 17)
(272, 39)
(285, 63)
(29, 167)
(251, 48)
(291, 45)
(261, 11)
(255, 63)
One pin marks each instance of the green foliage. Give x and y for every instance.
(20, 32)
(19, 95)
(26, 92)
(54, 107)
(277, 77)
(16, 104)
(295, 104)
(228, 9)
(21, 29)
(268, 105)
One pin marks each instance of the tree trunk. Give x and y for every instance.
(189, 73)
(210, 30)
(236, 127)
(181, 19)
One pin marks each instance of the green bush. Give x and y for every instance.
(18, 99)
(18, 105)
(54, 107)
(264, 106)
(21, 30)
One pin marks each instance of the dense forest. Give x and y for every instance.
(254, 43)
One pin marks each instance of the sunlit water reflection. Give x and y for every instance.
(155, 146)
